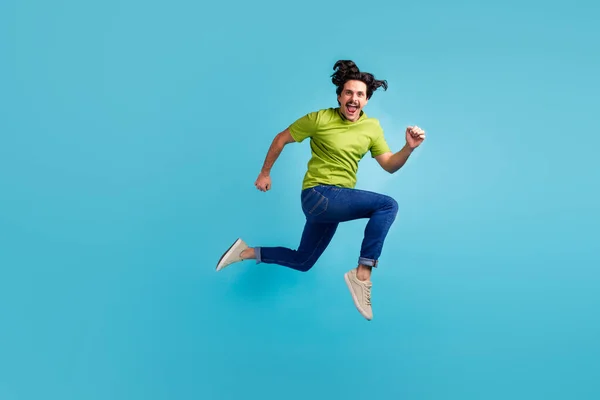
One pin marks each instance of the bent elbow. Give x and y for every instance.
(391, 169)
(285, 137)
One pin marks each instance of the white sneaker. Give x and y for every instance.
(361, 293)
(233, 254)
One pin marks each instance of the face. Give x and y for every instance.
(352, 99)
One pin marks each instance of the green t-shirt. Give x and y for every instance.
(337, 145)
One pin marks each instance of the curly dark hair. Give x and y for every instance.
(346, 70)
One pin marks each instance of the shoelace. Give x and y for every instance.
(368, 295)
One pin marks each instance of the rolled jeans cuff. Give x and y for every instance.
(368, 261)
(257, 255)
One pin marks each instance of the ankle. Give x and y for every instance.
(363, 272)
(248, 254)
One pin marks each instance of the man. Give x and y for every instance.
(339, 138)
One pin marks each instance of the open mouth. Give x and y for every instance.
(351, 108)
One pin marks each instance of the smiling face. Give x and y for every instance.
(352, 99)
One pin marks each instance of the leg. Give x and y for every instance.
(381, 210)
(316, 236)
(351, 204)
(325, 207)
(315, 239)
(376, 231)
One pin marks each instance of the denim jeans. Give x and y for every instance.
(325, 207)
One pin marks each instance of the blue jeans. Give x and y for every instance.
(325, 207)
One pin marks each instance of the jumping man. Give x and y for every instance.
(339, 139)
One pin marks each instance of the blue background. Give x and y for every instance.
(131, 133)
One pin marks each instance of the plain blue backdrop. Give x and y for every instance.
(131, 133)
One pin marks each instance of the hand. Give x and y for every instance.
(414, 136)
(263, 182)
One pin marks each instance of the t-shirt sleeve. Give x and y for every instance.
(304, 127)
(379, 145)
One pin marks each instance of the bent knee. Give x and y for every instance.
(305, 267)
(392, 204)
(306, 264)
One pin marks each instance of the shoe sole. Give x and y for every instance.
(227, 254)
(356, 303)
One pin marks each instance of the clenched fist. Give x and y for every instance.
(263, 182)
(414, 136)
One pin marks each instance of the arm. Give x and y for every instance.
(263, 182)
(275, 149)
(393, 162)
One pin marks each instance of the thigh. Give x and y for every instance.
(330, 204)
(345, 204)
